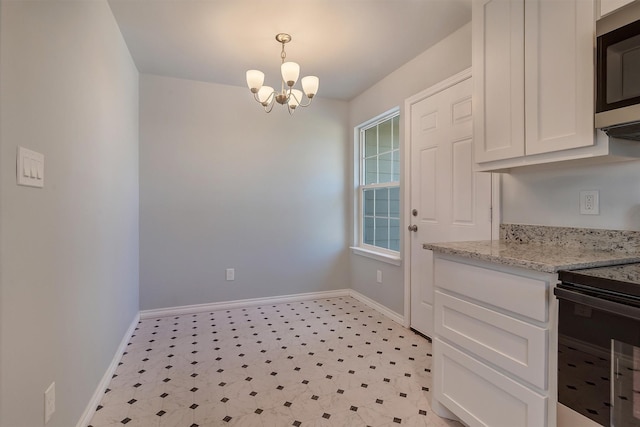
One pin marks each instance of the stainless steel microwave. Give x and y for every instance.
(618, 73)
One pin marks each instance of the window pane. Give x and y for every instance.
(371, 142)
(394, 202)
(382, 233)
(396, 132)
(367, 201)
(382, 202)
(385, 164)
(394, 234)
(396, 166)
(368, 231)
(384, 137)
(371, 171)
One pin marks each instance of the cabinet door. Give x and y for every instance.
(515, 346)
(559, 58)
(498, 75)
(519, 291)
(481, 396)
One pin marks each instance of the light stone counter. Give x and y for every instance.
(550, 249)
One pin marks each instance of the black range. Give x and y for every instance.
(599, 343)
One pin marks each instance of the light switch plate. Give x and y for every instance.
(30, 168)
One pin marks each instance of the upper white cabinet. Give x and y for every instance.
(498, 77)
(533, 73)
(559, 73)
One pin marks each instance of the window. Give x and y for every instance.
(379, 184)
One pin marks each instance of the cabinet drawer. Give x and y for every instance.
(481, 396)
(513, 345)
(519, 293)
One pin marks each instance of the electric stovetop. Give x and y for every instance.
(622, 279)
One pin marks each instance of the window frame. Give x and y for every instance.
(361, 248)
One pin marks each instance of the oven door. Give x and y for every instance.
(598, 354)
(625, 388)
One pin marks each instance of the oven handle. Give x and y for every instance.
(598, 303)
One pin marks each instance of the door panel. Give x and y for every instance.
(462, 183)
(427, 204)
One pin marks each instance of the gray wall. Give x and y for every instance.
(443, 60)
(225, 185)
(550, 196)
(69, 252)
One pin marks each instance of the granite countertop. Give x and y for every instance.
(549, 249)
(534, 256)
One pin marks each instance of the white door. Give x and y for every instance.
(448, 201)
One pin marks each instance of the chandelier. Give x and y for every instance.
(292, 98)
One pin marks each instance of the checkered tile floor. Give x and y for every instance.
(330, 362)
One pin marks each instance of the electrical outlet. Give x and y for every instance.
(231, 274)
(49, 402)
(590, 202)
(379, 276)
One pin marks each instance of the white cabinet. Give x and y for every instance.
(513, 345)
(559, 63)
(498, 79)
(548, 107)
(533, 68)
(483, 396)
(493, 341)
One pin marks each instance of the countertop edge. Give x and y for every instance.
(615, 259)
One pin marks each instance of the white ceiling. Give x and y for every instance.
(348, 44)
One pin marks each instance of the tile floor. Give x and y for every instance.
(329, 362)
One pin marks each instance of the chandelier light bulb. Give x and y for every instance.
(264, 93)
(290, 73)
(295, 96)
(310, 85)
(255, 79)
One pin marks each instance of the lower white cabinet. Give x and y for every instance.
(515, 346)
(482, 396)
(493, 341)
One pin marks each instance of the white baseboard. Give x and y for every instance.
(398, 318)
(104, 382)
(228, 305)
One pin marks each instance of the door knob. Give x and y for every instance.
(413, 228)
